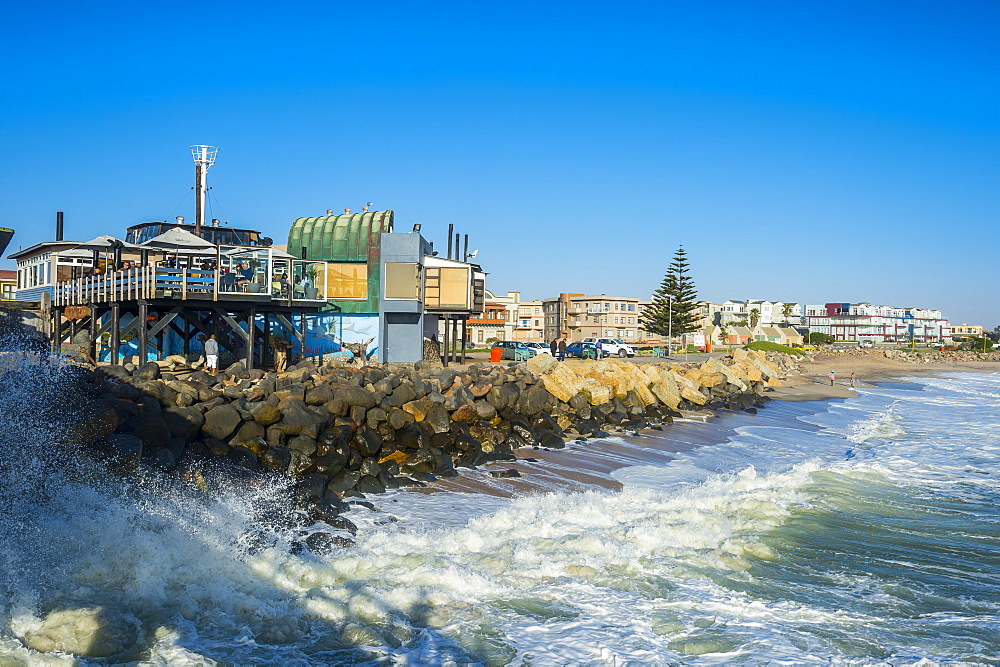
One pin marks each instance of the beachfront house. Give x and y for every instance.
(864, 321)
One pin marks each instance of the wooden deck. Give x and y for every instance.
(153, 283)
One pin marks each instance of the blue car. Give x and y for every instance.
(581, 350)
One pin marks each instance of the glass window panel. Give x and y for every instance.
(347, 280)
(402, 280)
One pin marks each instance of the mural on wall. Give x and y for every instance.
(325, 335)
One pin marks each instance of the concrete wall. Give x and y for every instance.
(401, 321)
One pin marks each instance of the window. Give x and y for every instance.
(402, 280)
(347, 280)
(447, 287)
(631, 306)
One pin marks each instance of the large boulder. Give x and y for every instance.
(296, 417)
(542, 363)
(183, 422)
(595, 391)
(353, 395)
(148, 371)
(221, 421)
(150, 428)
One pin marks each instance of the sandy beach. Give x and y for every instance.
(813, 383)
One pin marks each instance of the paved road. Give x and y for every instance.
(696, 357)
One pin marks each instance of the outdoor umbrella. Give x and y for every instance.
(180, 240)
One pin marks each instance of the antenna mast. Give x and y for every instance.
(204, 157)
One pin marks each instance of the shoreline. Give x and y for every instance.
(589, 466)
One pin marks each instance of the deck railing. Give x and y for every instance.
(149, 282)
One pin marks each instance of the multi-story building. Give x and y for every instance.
(578, 316)
(768, 312)
(879, 324)
(965, 329)
(530, 323)
(493, 323)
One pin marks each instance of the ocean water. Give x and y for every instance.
(864, 531)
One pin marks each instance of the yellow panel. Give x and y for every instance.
(347, 281)
(454, 287)
(402, 280)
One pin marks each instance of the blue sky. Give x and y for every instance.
(801, 151)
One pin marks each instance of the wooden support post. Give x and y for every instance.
(56, 342)
(94, 344)
(251, 331)
(447, 326)
(302, 336)
(115, 333)
(464, 331)
(267, 341)
(143, 339)
(454, 328)
(186, 337)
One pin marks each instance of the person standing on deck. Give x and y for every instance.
(212, 355)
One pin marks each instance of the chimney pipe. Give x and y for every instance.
(59, 225)
(305, 252)
(329, 211)
(451, 231)
(465, 253)
(347, 211)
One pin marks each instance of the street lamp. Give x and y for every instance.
(670, 324)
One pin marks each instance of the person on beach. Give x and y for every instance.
(562, 349)
(852, 378)
(212, 355)
(833, 376)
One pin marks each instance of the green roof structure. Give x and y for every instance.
(350, 237)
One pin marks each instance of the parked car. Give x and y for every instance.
(539, 348)
(613, 346)
(579, 349)
(515, 350)
(866, 343)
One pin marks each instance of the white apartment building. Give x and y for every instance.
(769, 312)
(879, 324)
(529, 326)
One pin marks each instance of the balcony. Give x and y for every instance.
(308, 287)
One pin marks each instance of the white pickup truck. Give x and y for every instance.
(612, 346)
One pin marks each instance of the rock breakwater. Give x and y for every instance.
(342, 431)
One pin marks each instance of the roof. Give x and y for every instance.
(8, 275)
(346, 237)
(50, 246)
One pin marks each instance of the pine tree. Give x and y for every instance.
(676, 300)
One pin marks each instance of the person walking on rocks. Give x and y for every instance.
(562, 349)
(833, 376)
(212, 355)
